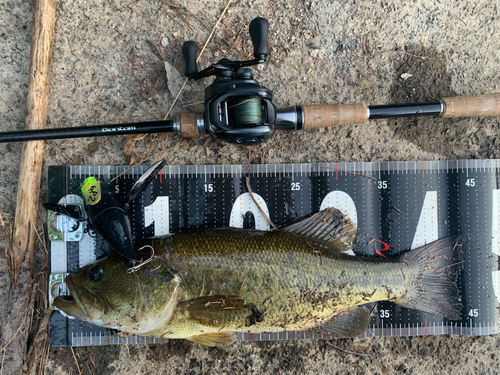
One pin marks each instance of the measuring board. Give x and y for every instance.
(401, 204)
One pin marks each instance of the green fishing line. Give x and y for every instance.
(248, 111)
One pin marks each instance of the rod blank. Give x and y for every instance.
(87, 131)
(405, 110)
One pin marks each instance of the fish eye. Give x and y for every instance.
(95, 273)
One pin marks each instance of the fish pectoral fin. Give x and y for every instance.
(328, 225)
(214, 339)
(349, 323)
(217, 311)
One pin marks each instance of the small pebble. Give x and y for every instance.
(424, 351)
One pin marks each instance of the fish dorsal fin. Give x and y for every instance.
(328, 225)
(217, 311)
(214, 339)
(349, 323)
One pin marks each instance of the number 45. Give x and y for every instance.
(471, 182)
(474, 313)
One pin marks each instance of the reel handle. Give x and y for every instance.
(259, 28)
(189, 50)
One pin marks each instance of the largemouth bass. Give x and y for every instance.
(207, 285)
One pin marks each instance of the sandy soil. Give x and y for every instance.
(108, 67)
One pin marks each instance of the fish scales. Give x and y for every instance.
(304, 281)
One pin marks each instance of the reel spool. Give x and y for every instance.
(246, 112)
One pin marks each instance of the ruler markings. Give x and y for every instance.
(433, 167)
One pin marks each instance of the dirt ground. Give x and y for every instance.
(108, 67)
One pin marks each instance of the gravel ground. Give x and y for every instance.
(108, 67)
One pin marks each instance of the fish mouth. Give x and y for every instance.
(66, 299)
(69, 306)
(81, 303)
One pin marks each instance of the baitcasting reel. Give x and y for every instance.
(237, 108)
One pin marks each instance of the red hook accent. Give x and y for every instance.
(386, 247)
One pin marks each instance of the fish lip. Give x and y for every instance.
(75, 304)
(68, 303)
(66, 298)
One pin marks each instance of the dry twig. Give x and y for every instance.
(77, 365)
(341, 170)
(247, 180)
(199, 56)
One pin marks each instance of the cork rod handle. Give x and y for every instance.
(189, 125)
(468, 106)
(320, 116)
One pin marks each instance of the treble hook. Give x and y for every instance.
(136, 268)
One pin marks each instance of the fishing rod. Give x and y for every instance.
(239, 110)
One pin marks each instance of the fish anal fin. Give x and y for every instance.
(217, 311)
(349, 323)
(214, 339)
(328, 225)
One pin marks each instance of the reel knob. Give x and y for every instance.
(189, 50)
(258, 32)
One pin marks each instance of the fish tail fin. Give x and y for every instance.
(433, 287)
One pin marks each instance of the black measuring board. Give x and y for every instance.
(395, 205)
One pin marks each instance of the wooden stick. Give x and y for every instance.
(22, 290)
(36, 114)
